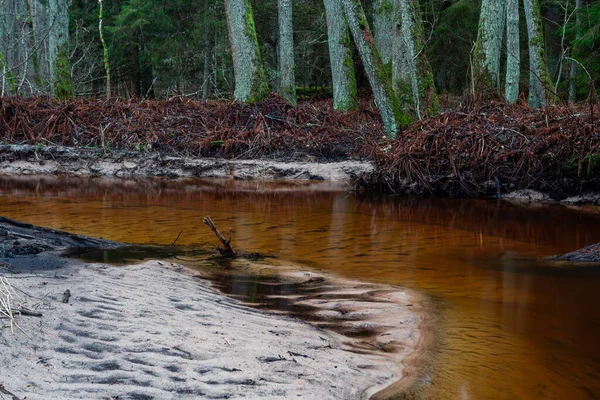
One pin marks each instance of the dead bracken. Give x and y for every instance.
(490, 150)
(502, 147)
(271, 128)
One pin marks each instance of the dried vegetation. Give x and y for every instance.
(501, 147)
(497, 148)
(271, 128)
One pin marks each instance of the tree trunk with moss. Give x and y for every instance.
(58, 49)
(574, 66)
(250, 80)
(287, 87)
(343, 78)
(488, 47)
(383, 26)
(412, 76)
(540, 85)
(513, 54)
(387, 103)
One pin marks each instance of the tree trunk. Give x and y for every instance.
(105, 50)
(400, 67)
(488, 47)
(13, 44)
(383, 26)
(381, 84)
(539, 77)
(413, 83)
(287, 86)
(206, 72)
(58, 49)
(34, 16)
(513, 54)
(343, 77)
(135, 66)
(574, 66)
(250, 80)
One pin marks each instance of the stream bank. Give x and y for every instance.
(483, 150)
(60, 160)
(155, 330)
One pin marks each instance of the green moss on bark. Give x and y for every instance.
(63, 83)
(10, 77)
(260, 88)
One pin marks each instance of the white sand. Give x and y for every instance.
(153, 331)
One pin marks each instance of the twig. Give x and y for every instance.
(23, 311)
(12, 395)
(6, 300)
(176, 239)
(227, 250)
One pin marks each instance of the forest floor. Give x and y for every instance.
(158, 330)
(488, 149)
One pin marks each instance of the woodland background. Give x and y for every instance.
(161, 49)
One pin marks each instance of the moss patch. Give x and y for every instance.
(63, 83)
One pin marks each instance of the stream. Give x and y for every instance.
(507, 324)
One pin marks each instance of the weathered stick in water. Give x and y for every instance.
(226, 250)
(176, 239)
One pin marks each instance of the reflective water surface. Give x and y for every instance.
(508, 326)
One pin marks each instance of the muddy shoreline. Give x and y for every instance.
(60, 160)
(94, 162)
(158, 330)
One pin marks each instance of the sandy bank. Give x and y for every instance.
(156, 330)
(153, 331)
(28, 160)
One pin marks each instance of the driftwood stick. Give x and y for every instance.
(176, 239)
(23, 311)
(12, 395)
(226, 250)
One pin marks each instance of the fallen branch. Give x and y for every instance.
(226, 250)
(12, 395)
(23, 311)
(176, 239)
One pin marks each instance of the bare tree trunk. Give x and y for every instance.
(539, 77)
(58, 49)
(14, 43)
(383, 26)
(32, 7)
(345, 95)
(287, 86)
(381, 84)
(105, 51)
(414, 85)
(513, 54)
(206, 72)
(574, 66)
(488, 48)
(250, 80)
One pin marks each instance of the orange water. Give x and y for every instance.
(507, 326)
